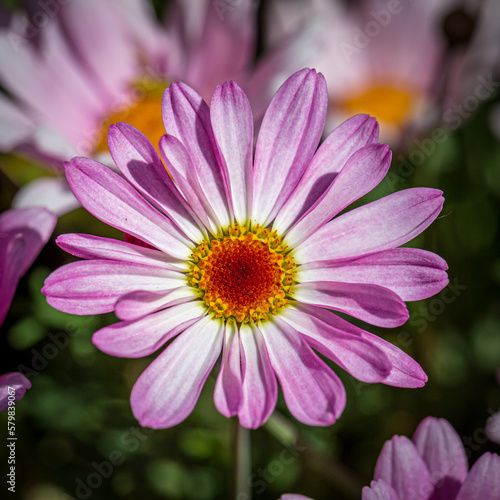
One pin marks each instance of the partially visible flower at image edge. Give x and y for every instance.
(245, 258)
(16, 381)
(433, 465)
(23, 234)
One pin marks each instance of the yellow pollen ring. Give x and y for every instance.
(243, 275)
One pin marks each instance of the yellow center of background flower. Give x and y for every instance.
(388, 104)
(143, 112)
(243, 274)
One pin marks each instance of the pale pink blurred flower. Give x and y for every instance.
(391, 59)
(97, 62)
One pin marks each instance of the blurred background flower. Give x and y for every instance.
(76, 421)
(409, 64)
(70, 69)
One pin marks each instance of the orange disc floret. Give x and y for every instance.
(243, 274)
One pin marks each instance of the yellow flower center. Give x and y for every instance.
(243, 275)
(142, 111)
(386, 103)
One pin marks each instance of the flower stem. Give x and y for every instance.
(337, 475)
(242, 460)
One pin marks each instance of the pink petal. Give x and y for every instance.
(135, 305)
(23, 234)
(442, 450)
(111, 199)
(140, 164)
(166, 393)
(180, 167)
(12, 251)
(34, 224)
(93, 287)
(379, 490)
(288, 138)
(135, 339)
(246, 385)
(232, 122)
(483, 481)
(272, 68)
(400, 466)
(405, 371)
(87, 246)
(371, 303)
(260, 389)
(187, 117)
(338, 147)
(313, 393)
(381, 225)
(362, 172)
(228, 389)
(411, 273)
(15, 383)
(351, 352)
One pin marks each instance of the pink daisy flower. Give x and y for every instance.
(237, 252)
